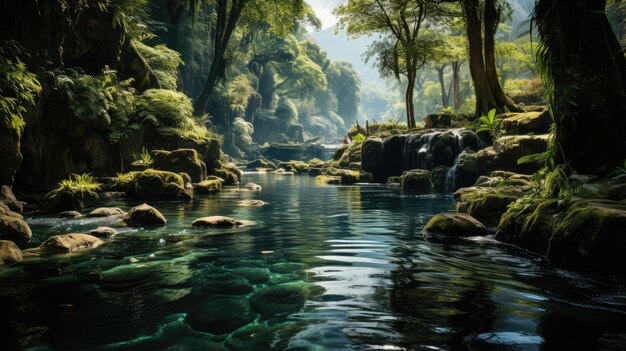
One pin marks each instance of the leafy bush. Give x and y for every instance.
(164, 108)
(18, 87)
(163, 61)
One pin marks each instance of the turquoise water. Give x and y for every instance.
(323, 268)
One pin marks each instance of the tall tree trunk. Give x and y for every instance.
(410, 107)
(456, 85)
(582, 59)
(445, 97)
(492, 19)
(227, 18)
(485, 100)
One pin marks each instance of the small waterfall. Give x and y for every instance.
(433, 148)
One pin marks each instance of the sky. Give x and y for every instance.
(324, 9)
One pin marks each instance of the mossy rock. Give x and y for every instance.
(486, 204)
(328, 180)
(347, 177)
(209, 186)
(299, 167)
(507, 150)
(157, 185)
(454, 224)
(68, 200)
(227, 171)
(261, 163)
(526, 123)
(180, 161)
(416, 181)
(144, 215)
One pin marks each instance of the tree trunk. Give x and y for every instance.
(410, 108)
(492, 19)
(583, 60)
(485, 100)
(456, 85)
(445, 97)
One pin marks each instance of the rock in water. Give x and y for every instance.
(210, 186)
(253, 186)
(261, 163)
(102, 232)
(416, 181)
(14, 229)
(181, 161)
(70, 214)
(144, 215)
(70, 242)
(454, 224)
(106, 212)
(251, 203)
(221, 315)
(9, 252)
(216, 221)
(326, 179)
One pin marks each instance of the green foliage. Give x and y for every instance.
(18, 87)
(145, 157)
(125, 178)
(163, 61)
(165, 108)
(619, 172)
(77, 183)
(489, 123)
(286, 111)
(359, 137)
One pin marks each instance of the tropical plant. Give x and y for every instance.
(489, 123)
(145, 157)
(77, 183)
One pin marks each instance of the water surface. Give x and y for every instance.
(324, 268)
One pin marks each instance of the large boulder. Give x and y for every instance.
(181, 161)
(586, 232)
(261, 163)
(144, 215)
(507, 150)
(371, 153)
(439, 178)
(153, 184)
(466, 170)
(209, 186)
(7, 198)
(69, 200)
(14, 229)
(70, 242)
(9, 252)
(526, 123)
(227, 171)
(6, 211)
(454, 224)
(346, 177)
(217, 222)
(416, 181)
(328, 180)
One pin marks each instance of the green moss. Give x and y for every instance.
(328, 179)
(209, 186)
(347, 177)
(295, 166)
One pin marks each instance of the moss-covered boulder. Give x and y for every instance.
(507, 150)
(68, 200)
(14, 229)
(347, 177)
(580, 233)
(526, 123)
(106, 212)
(295, 166)
(216, 222)
(466, 170)
(144, 215)
(328, 180)
(153, 184)
(371, 153)
(227, 171)
(261, 163)
(439, 178)
(210, 186)
(438, 121)
(416, 181)
(454, 224)
(181, 161)
(69, 243)
(9, 252)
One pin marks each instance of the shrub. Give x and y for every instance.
(163, 61)
(77, 183)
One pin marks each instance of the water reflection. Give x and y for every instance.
(336, 268)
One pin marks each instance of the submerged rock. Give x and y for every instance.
(454, 224)
(216, 221)
(70, 242)
(251, 203)
(144, 215)
(102, 232)
(70, 214)
(9, 252)
(416, 181)
(253, 186)
(106, 212)
(221, 315)
(279, 300)
(254, 275)
(14, 229)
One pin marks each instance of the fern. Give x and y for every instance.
(77, 183)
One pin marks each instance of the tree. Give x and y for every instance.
(345, 84)
(281, 15)
(398, 23)
(584, 70)
(482, 22)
